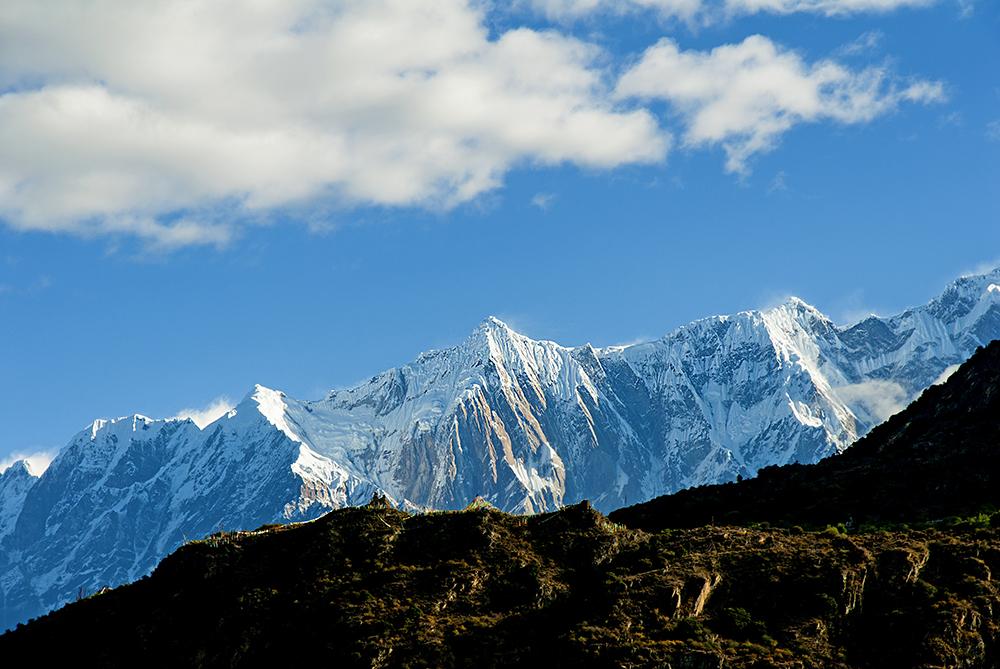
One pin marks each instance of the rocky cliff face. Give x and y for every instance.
(529, 425)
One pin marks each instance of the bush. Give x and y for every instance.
(738, 624)
(689, 629)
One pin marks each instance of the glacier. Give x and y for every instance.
(527, 425)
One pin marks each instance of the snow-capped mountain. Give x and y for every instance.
(529, 425)
(14, 485)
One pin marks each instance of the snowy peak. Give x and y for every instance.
(494, 324)
(15, 482)
(18, 470)
(123, 425)
(799, 310)
(267, 403)
(966, 298)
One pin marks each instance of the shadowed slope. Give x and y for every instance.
(375, 587)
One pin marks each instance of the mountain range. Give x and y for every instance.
(905, 578)
(528, 425)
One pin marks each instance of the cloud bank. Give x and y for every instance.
(162, 119)
(176, 122)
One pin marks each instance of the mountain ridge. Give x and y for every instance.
(376, 586)
(528, 425)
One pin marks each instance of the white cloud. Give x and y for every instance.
(215, 409)
(562, 10)
(985, 267)
(946, 374)
(543, 200)
(708, 11)
(169, 120)
(993, 130)
(864, 43)
(744, 96)
(779, 183)
(825, 7)
(38, 461)
(873, 399)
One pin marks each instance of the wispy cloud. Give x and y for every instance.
(866, 42)
(779, 183)
(952, 119)
(205, 415)
(873, 399)
(26, 287)
(824, 7)
(711, 11)
(985, 267)
(946, 374)
(543, 201)
(38, 461)
(993, 130)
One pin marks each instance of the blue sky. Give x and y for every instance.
(173, 229)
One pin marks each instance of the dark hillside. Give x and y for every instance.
(374, 587)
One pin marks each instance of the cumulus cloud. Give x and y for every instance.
(744, 96)
(874, 399)
(203, 416)
(169, 120)
(38, 461)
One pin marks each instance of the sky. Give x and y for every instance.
(197, 197)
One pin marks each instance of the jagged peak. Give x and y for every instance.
(137, 420)
(796, 305)
(19, 468)
(494, 322)
(271, 404)
(260, 393)
(490, 329)
(983, 284)
(493, 326)
(967, 297)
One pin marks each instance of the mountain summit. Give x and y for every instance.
(527, 425)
